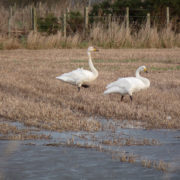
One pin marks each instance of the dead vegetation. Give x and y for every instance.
(130, 142)
(10, 132)
(159, 165)
(116, 36)
(121, 156)
(120, 140)
(29, 92)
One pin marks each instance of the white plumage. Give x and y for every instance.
(129, 85)
(81, 77)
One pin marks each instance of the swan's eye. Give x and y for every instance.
(145, 70)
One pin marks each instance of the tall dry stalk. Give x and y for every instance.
(3, 20)
(118, 36)
(37, 41)
(9, 43)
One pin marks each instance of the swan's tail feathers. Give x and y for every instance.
(67, 79)
(106, 92)
(111, 85)
(112, 90)
(63, 78)
(60, 78)
(108, 86)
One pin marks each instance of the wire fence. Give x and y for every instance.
(21, 22)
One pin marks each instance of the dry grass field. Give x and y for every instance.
(30, 93)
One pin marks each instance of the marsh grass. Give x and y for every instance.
(30, 93)
(159, 165)
(10, 132)
(115, 36)
(129, 142)
(117, 155)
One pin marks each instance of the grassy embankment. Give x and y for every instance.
(29, 92)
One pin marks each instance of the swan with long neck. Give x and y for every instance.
(93, 69)
(129, 85)
(81, 77)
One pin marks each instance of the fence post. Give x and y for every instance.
(33, 18)
(167, 16)
(67, 13)
(109, 19)
(148, 23)
(31, 14)
(86, 18)
(89, 4)
(40, 5)
(9, 21)
(64, 24)
(127, 18)
(14, 8)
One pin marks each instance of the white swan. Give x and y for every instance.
(129, 85)
(80, 77)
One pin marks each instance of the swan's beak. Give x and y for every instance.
(96, 49)
(145, 70)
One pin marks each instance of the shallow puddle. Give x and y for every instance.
(93, 155)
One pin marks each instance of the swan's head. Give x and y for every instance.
(142, 68)
(91, 49)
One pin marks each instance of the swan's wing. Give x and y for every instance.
(125, 85)
(133, 84)
(115, 89)
(126, 82)
(120, 86)
(121, 82)
(77, 76)
(136, 84)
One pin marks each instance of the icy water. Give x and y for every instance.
(74, 155)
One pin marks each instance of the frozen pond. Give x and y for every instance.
(93, 155)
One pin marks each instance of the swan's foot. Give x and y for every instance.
(122, 98)
(131, 98)
(85, 86)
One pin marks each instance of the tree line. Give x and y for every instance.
(140, 7)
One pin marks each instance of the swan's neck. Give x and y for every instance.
(137, 74)
(93, 69)
(144, 80)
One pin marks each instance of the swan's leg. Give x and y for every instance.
(78, 88)
(131, 98)
(122, 98)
